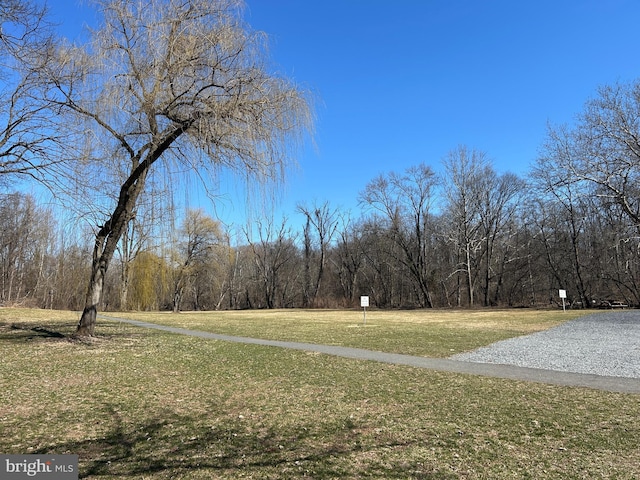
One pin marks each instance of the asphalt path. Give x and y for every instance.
(511, 372)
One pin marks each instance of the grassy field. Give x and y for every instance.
(432, 333)
(135, 403)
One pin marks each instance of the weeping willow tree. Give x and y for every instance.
(149, 282)
(170, 86)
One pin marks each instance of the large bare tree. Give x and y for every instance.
(406, 202)
(168, 85)
(602, 149)
(465, 169)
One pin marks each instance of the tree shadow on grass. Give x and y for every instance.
(176, 446)
(24, 332)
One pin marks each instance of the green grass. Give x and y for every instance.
(143, 404)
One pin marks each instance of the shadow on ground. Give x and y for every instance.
(32, 332)
(189, 447)
(16, 331)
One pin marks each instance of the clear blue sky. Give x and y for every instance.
(403, 82)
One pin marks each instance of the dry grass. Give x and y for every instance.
(433, 333)
(149, 405)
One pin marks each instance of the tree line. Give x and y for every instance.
(468, 236)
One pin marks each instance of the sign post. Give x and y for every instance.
(563, 295)
(364, 303)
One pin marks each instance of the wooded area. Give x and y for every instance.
(472, 237)
(171, 87)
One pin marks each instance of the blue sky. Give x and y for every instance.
(406, 81)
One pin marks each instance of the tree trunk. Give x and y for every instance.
(178, 289)
(87, 324)
(107, 240)
(487, 271)
(124, 285)
(469, 275)
(125, 272)
(177, 296)
(306, 287)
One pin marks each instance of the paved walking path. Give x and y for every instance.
(612, 384)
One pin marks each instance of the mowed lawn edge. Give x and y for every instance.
(136, 403)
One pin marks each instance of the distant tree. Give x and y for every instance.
(273, 251)
(614, 250)
(214, 275)
(563, 212)
(150, 282)
(320, 228)
(168, 83)
(465, 170)
(602, 148)
(132, 243)
(592, 168)
(25, 245)
(405, 202)
(71, 266)
(480, 213)
(501, 194)
(198, 235)
(380, 264)
(143, 232)
(349, 257)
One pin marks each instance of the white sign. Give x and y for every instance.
(563, 293)
(364, 301)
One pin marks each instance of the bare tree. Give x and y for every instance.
(29, 143)
(323, 220)
(405, 201)
(25, 243)
(272, 252)
(603, 148)
(22, 22)
(465, 169)
(560, 199)
(214, 275)
(172, 82)
(199, 234)
(481, 207)
(499, 203)
(144, 232)
(349, 253)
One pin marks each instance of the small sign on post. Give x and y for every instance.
(563, 295)
(364, 303)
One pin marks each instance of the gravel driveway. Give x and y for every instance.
(605, 343)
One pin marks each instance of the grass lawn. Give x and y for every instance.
(136, 403)
(431, 333)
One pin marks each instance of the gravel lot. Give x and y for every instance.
(605, 343)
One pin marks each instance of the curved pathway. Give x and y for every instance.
(553, 377)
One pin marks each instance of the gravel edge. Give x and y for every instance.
(606, 344)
